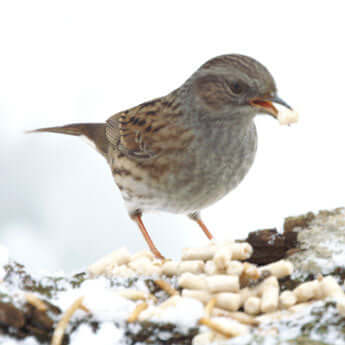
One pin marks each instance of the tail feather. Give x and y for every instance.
(74, 129)
(92, 131)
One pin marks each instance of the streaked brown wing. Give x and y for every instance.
(146, 131)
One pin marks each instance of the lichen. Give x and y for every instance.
(321, 244)
(319, 324)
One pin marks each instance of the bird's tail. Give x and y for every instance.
(94, 132)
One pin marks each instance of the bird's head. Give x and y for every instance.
(235, 86)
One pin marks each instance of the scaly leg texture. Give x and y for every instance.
(137, 218)
(196, 217)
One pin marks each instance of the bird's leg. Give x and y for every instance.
(196, 217)
(137, 218)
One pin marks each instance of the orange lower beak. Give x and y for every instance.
(266, 105)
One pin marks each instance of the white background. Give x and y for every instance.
(75, 61)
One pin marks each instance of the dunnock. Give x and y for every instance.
(184, 151)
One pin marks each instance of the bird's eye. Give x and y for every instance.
(236, 88)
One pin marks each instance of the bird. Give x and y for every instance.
(183, 152)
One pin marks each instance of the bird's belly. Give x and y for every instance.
(203, 187)
(193, 184)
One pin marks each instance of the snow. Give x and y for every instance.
(100, 298)
(107, 334)
(26, 341)
(283, 332)
(337, 250)
(322, 244)
(184, 312)
(107, 306)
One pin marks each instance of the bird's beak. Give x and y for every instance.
(266, 104)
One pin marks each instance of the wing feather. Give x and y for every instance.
(146, 131)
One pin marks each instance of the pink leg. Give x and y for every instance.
(196, 217)
(137, 218)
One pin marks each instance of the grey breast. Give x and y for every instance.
(215, 163)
